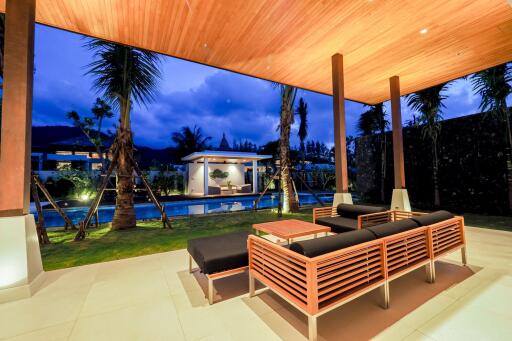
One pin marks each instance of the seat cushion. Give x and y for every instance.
(432, 218)
(394, 227)
(338, 224)
(353, 211)
(220, 253)
(319, 246)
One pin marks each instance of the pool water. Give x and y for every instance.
(180, 208)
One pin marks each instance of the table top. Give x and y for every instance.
(291, 228)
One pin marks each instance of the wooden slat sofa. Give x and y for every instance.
(319, 275)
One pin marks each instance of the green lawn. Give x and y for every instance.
(104, 245)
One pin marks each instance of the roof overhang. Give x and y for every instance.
(221, 156)
(291, 42)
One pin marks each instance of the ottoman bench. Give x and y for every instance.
(219, 256)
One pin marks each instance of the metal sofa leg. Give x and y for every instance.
(312, 328)
(252, 285)
(384, 291)
(463, 255)
(189, 264)
(431, 271)
(211, 291)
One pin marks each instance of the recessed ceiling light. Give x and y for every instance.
(424, 31)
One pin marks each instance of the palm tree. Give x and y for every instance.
(190, 140)
(374, 121)
(493, 85)
(429, 103)
(302, 111)
(288, 94)
(123, 75)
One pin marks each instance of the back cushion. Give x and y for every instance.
(353, 211)
(393, 227)
(432, 218)
(319, 246)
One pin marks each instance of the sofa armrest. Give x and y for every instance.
(372, 219)
(319, 212)
(287, 272)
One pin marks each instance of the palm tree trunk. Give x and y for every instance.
(124, 214)
(289, 203)
(437, 200)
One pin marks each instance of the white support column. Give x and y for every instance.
(255, 176)
(205, 176)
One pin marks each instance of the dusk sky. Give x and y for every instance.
(191, 94)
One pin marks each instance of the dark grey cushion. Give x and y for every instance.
(393, 227)
(338, 224)
(220, 253)
(432, 218)
(353, 211)
(319, 246)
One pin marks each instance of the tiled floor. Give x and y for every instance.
(155, 298)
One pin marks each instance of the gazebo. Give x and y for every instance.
(221, 172)
(366, 51)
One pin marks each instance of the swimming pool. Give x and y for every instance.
(180, 208)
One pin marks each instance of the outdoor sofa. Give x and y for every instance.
(319, 275)
(346, 217)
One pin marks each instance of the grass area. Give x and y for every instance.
(503, 223)
(103, 245)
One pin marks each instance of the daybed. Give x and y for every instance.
(321, 274)
(219, 256)
(345, 217)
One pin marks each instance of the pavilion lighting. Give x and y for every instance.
(424, 31)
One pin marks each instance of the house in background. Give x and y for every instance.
(221, 172)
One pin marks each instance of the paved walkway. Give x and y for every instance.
(154, 298)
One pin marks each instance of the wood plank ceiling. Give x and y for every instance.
(292, 41)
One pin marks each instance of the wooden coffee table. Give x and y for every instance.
(291, 228)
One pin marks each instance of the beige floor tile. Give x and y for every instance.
(417, 336)
(55, 333)
(491, 296)
(125, 290)
(28, 315)
(201, 322)
(463, 322)
(154, 320)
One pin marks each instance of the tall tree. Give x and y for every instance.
(494, 87)
(429, 104)
(190, 140)
(302, 111)
(373, 121)
(92, 126)
(288, 94)
(123, 75)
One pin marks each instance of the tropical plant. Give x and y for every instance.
(302, 111)
(373, 121)
(123, 75)
(429, 103)
(494, 87)
(218, 174)
(190, 140)
(288, 94)
(83, 187)
(91, 126)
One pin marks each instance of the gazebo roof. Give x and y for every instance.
(424, 42)
(223, 156)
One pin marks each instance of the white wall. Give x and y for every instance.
(195, 176)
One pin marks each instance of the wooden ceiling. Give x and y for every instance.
(292, 41)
